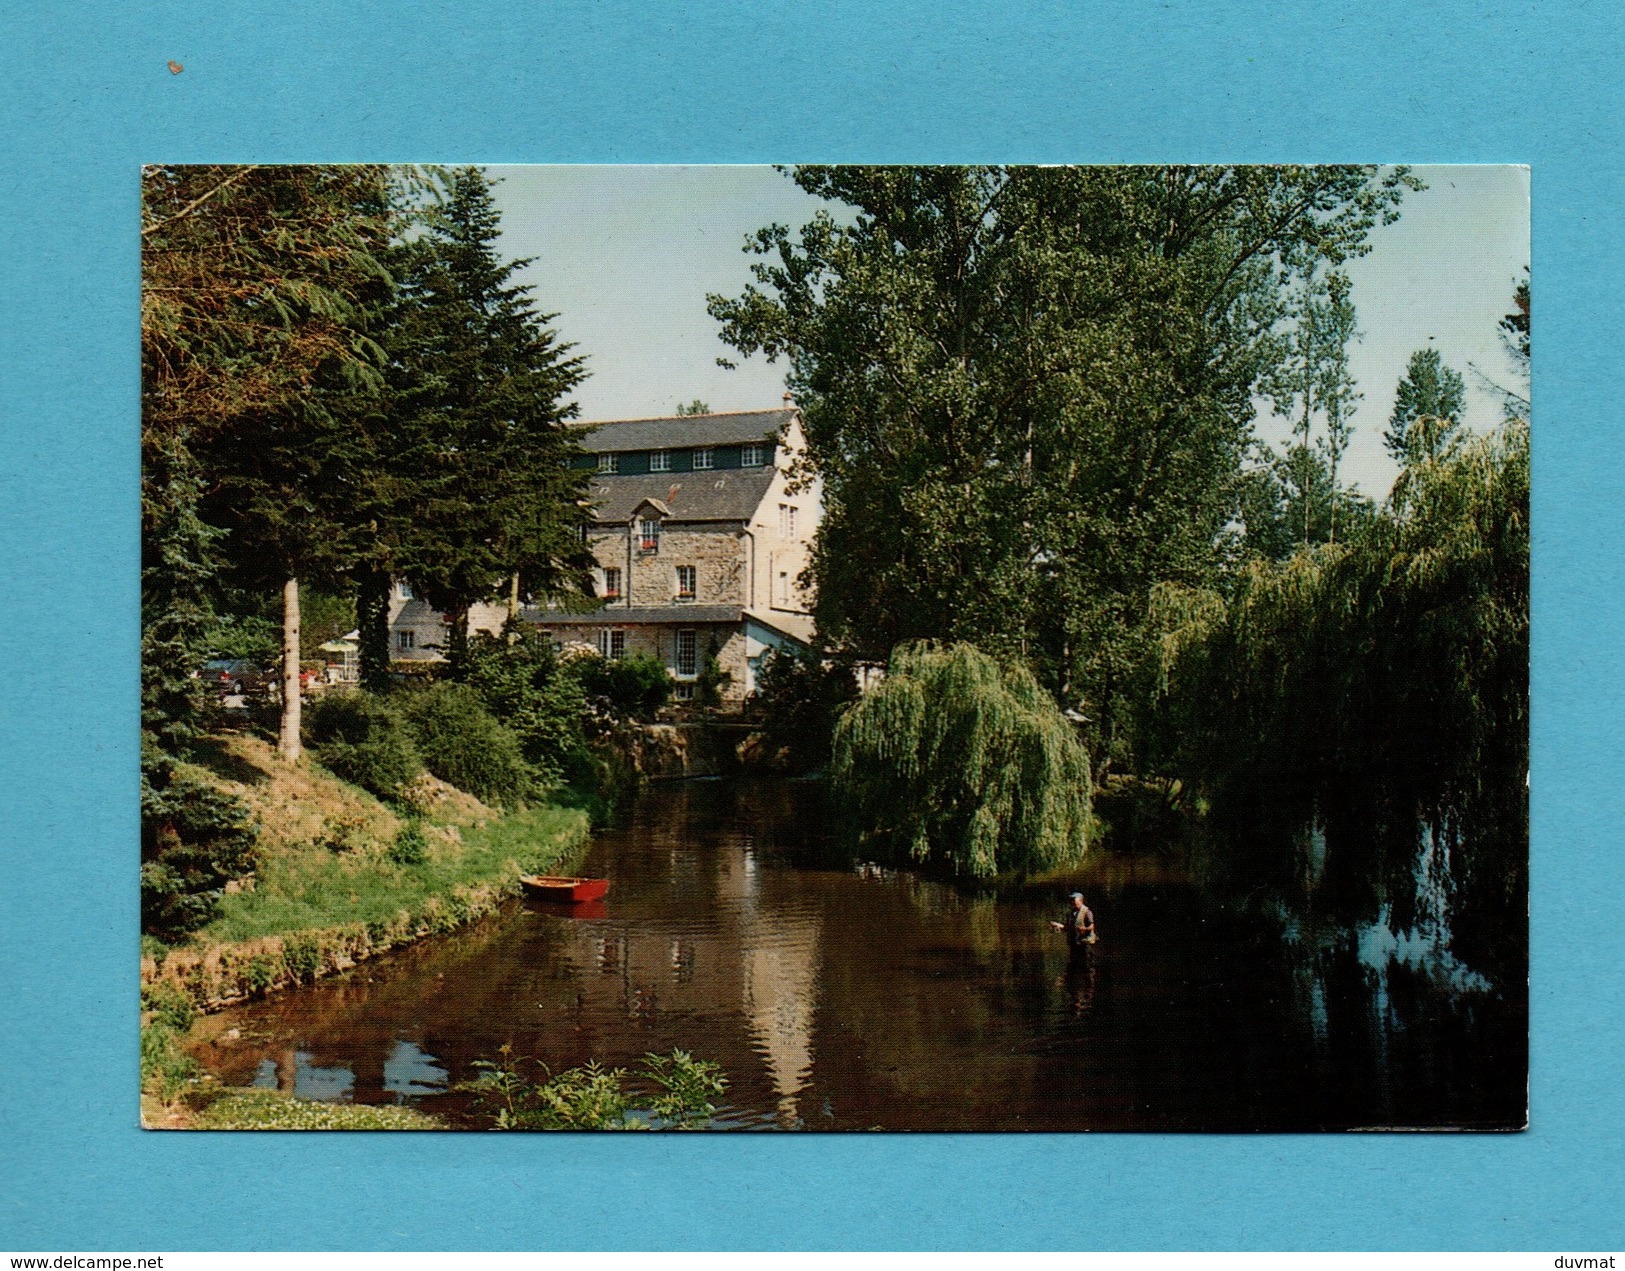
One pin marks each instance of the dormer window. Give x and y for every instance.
(753, 455)
(609, 463)
(660, 461)
(648, 534)
(703, 459)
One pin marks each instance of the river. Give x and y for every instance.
(859, 998)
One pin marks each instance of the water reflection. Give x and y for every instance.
(847, 998)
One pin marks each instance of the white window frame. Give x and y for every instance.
(403, 591)
(609, 463)
(406, 639)
(752, 455)
(612, 643)
(693, 582)
(787, 520)
(648, 534)
(660, 461)
(612, 582)
(693, 640)
(705, 458)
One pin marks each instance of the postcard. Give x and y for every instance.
(988, 648)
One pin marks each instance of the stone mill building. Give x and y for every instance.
(700, 535)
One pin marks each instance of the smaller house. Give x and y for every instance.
(417, 632)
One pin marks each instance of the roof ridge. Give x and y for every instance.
(710, 414)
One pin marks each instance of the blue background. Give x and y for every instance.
(85, 97)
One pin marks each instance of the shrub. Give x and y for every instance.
(166, 1070)
(260, 973)
(362, 738)
(168, 1006)
(959, 761)
(462, 742)
(410, 846)
(539, 697)
(636, 687)
(711, 682)
(302, 956)
(799, 698)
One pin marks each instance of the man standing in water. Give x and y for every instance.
(1079, 925)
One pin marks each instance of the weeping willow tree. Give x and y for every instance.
(959, 762)
(1370, 689)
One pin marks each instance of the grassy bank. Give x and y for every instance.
(341, 877)
(303, 890)
(252, 1109)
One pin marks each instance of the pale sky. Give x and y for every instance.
(626, 255)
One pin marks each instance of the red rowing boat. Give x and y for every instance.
(572, 891)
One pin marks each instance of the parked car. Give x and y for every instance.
(233, 675)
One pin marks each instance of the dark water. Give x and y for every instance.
(852, 998)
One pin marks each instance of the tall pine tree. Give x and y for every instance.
(473, 479)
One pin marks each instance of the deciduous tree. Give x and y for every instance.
(1029, 391)
(1428, 407)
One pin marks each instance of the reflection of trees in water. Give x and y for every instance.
(853, 998)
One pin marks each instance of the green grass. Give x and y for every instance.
(273, 1110)
(312, 888)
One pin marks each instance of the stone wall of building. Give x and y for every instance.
(717, 553)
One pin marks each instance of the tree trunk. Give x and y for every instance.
(457, 641)
(288, 742)
(372, 616)
(513, 608)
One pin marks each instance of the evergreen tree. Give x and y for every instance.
(475, 468)
(1428, 406)
(178, 564)
(252, 282)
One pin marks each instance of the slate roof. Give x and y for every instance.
(717, 495)
(680, 432)
(671, 615)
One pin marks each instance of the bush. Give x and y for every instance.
(410, 847)
(799, 698)
(958, 761)
(167, 1006)
(166, 1069)
(363, 738)
(537, 696)
(636, 687)
(462, 742)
